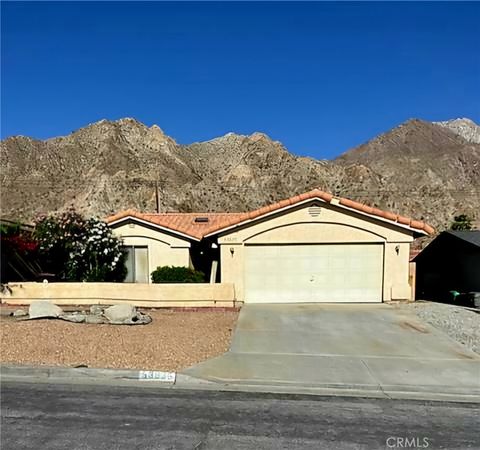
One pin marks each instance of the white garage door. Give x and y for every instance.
(314, 273)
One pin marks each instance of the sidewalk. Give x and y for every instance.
(341, 375)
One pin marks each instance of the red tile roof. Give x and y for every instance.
(180, 222)
(185, 222)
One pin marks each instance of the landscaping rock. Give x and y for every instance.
(123, 314)
(138, 319)
(119, 314)
(19, 313)
(459, 323)
(126, 314)
(74, 317)
(43, 309)
(94, 319)
(96, 310)
(162, 344)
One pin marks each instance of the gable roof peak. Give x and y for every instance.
(404, 222)
(218, 222)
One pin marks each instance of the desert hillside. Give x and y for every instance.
(428, 170)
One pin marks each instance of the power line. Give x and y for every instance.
(154, 183)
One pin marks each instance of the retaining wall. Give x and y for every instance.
(144, 295)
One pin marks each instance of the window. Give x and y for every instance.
(137, 264)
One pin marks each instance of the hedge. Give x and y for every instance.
(177, 274)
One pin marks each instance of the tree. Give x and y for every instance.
(79, 249)
(461, 222)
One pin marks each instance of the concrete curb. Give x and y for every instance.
(172, 380)
(58, 373)
(428, 393)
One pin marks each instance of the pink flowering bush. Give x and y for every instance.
(79, 249)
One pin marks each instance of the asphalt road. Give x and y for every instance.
(43, 416)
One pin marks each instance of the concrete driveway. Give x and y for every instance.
(379, 348)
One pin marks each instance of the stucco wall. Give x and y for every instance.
(331, 225)
(146, 295)
(396, 272)
(164, 249)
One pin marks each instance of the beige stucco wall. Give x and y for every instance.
(396, 272)
(332, 225)
(164, 249)
(145, 295)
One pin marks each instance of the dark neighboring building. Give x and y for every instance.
(451, 262)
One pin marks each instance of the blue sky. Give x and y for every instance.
(320, 77)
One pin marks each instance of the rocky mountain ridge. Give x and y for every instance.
(465, 128)
(430, 171)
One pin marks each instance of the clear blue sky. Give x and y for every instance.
(320, 77)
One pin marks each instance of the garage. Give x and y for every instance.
(329, 273)
(318, 248)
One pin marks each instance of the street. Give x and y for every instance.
(47, 416)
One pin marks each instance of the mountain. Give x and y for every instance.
(428, 170)
(465, 128)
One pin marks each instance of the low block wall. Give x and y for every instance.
(144, 295)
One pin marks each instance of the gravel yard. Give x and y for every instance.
(459, 323)
(174, 340)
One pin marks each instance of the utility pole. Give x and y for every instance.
(157, 199)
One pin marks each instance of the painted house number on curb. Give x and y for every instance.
(156, 375)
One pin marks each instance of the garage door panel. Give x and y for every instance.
(314, 273)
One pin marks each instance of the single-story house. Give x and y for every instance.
(313, 247)
(451, 262)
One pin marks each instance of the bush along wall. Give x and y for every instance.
(78, 249)
(177, 274)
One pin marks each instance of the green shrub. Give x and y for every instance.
(176, 274)
(461, 223)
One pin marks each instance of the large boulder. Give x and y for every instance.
(118, 314)
(125, 314)
(44, 309)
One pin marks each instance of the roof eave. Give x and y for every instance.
(416, 231)
(267, 214)
(153, 224)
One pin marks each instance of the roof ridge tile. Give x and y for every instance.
(198, 230)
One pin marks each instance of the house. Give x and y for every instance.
(167, 239)
(313, 247)
(451, 262)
